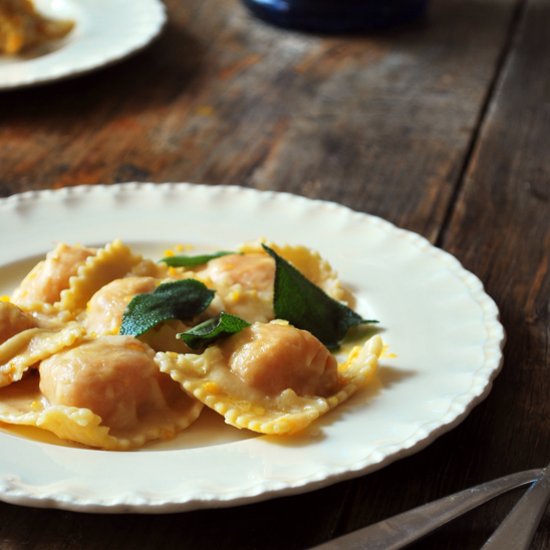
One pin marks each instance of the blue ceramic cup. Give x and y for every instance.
(336, 16)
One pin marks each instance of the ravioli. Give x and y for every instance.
(106, 307)
(244, 281)
(50, 277)
(106, 392)
(309, 262)
(27, 348)
(236, 378)
(243, 284)
(112, 262)
(65, 369)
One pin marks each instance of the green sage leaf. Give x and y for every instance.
(306, 306)
(205, 333)
(193, 261)
(181, 300)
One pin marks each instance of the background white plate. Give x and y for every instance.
(106, 31)
(435, 317)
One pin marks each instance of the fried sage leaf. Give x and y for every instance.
(205, 333)
(181, 300)
(306, 306)
(193, 261)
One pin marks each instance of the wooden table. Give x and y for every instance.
(442, 127)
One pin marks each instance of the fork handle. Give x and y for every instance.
(518, 528)
(400, 530)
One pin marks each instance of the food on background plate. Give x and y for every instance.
(22, 27)
(108, 349)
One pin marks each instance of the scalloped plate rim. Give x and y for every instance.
(114, 53)
(14, 491)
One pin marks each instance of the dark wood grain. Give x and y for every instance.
(442, 127)
(500, 230)
(221, 98)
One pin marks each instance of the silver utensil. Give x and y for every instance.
(518, 528)
(398, 531)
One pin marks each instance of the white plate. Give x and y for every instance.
(435, 316)
(106, 31)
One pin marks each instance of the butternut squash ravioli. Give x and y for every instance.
(105, 348)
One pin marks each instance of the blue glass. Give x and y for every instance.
(337, 15)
